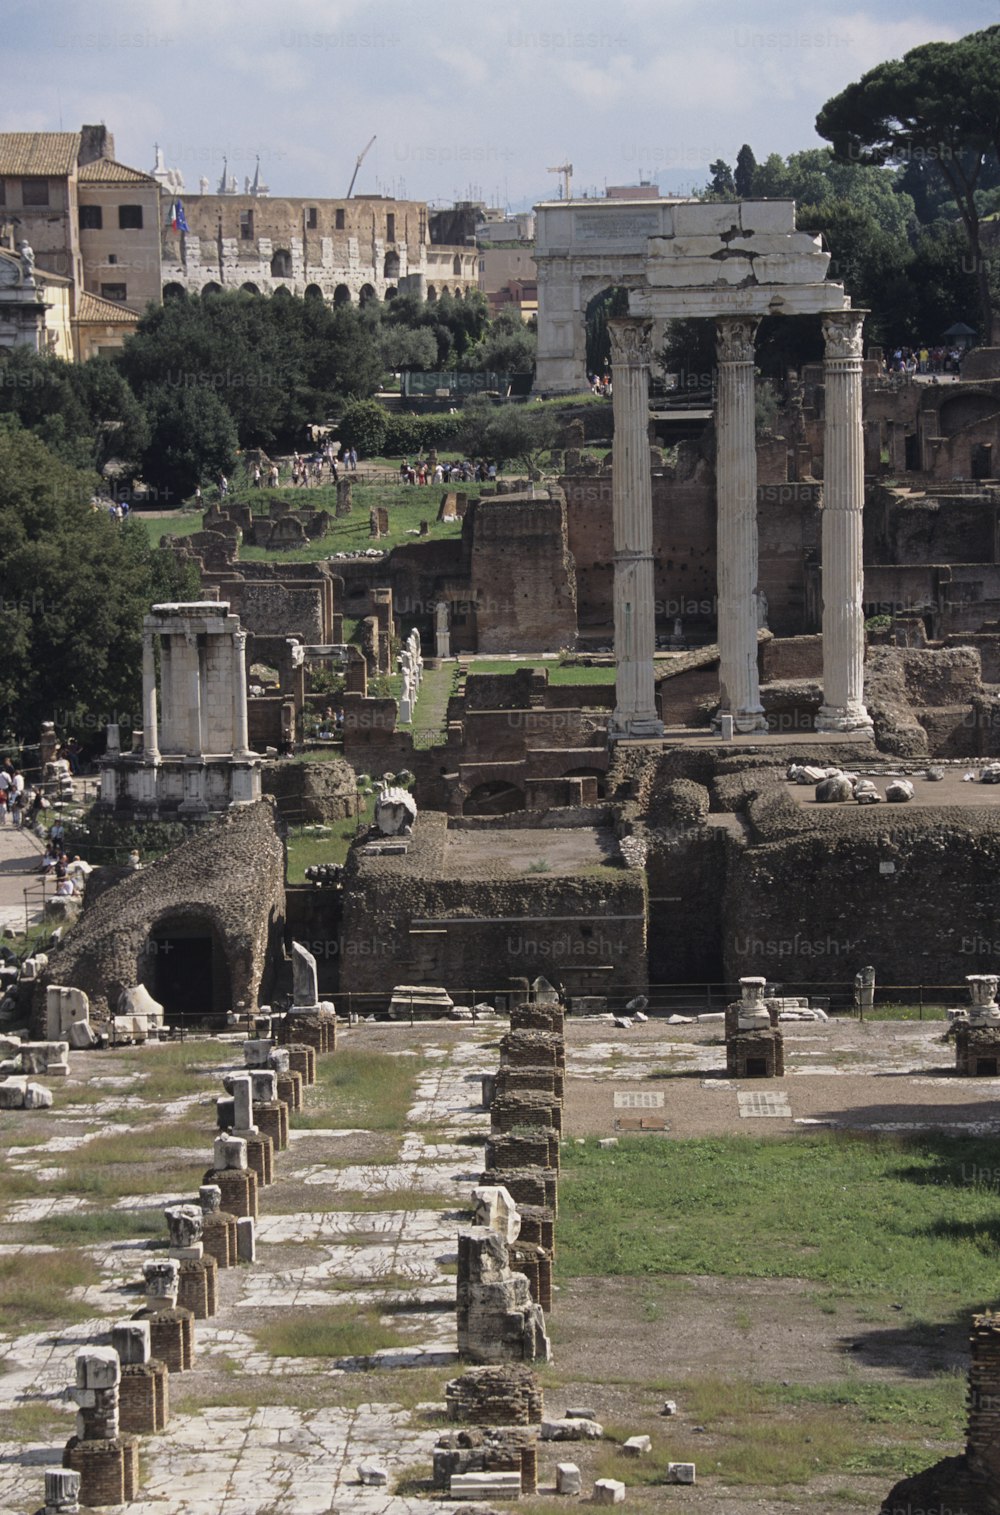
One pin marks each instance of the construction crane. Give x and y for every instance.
(361, 158)
(566, 169)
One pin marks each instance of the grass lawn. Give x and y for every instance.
(369, 1090)
(429, 727)
(307, 846)
(558, 672)
(876, 1217)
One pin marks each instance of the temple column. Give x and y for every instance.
(241, 728)
(150, 727)
(632, 508)
(843, 707)
(193, 654)
(736, 548)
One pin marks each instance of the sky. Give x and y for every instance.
(464, 100)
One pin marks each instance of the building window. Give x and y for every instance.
(340, 220)
(390, 227)
(114, 292)
(246, 225)
(281, 264)
(91, 218)
(313, 219)
(423, 227)
(112, 259)
(34, 191)
(130, 217)
(3, 192)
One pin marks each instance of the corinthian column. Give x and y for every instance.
(736, 549)
(150, 733)
(632, 510)
(843, 707)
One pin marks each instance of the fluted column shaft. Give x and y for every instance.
(632, 509)
(194, 681)
(736, 549)
(241, 727)
(843, 706)
(150, 726)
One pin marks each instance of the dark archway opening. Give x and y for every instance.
(186, 970)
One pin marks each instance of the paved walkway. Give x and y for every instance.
(20, 851)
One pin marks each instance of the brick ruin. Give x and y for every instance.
(218, 900)
(754, 1044)
(970, 1483)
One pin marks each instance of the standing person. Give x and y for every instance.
(354, 459)
(223, 486)
(17, 796)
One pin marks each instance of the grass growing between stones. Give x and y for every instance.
(334, 1332)
(35, 1420)
(34, 1288)
(88, 1228)
(370, 1090)
(882, 1217)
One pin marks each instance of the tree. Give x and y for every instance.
(192, 438)
(407, 347)
(939, 104)
(363, 424)
(721, 184)
(746, 165)
(74, 586)
(508, 433)
(507, 346)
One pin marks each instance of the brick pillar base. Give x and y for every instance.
(171, 1335)
(272, 1121)
(289, 1087)
(109, 1470)
(218, 1237)
(260, 1156)
(302, 1059)
(198, 1287)
(144, 1399)
(239, 1189)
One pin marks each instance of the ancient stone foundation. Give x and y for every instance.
(977, 1050)
(495, 1396)
(755, 1054)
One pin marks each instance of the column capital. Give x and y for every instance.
(734, 338)
(631, 340)
(842, 334)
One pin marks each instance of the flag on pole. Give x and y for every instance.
(177, 221)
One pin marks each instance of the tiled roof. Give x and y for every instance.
(38, 153)
(107, 171)
(95, 308)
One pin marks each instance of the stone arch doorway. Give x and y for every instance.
(341, 295)
(211, 289)
(597, 774)
(367, 293)
(313, 292)
(281, 264)
(173, 291)
(250, 289)
(432, 294)
(186, 969)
